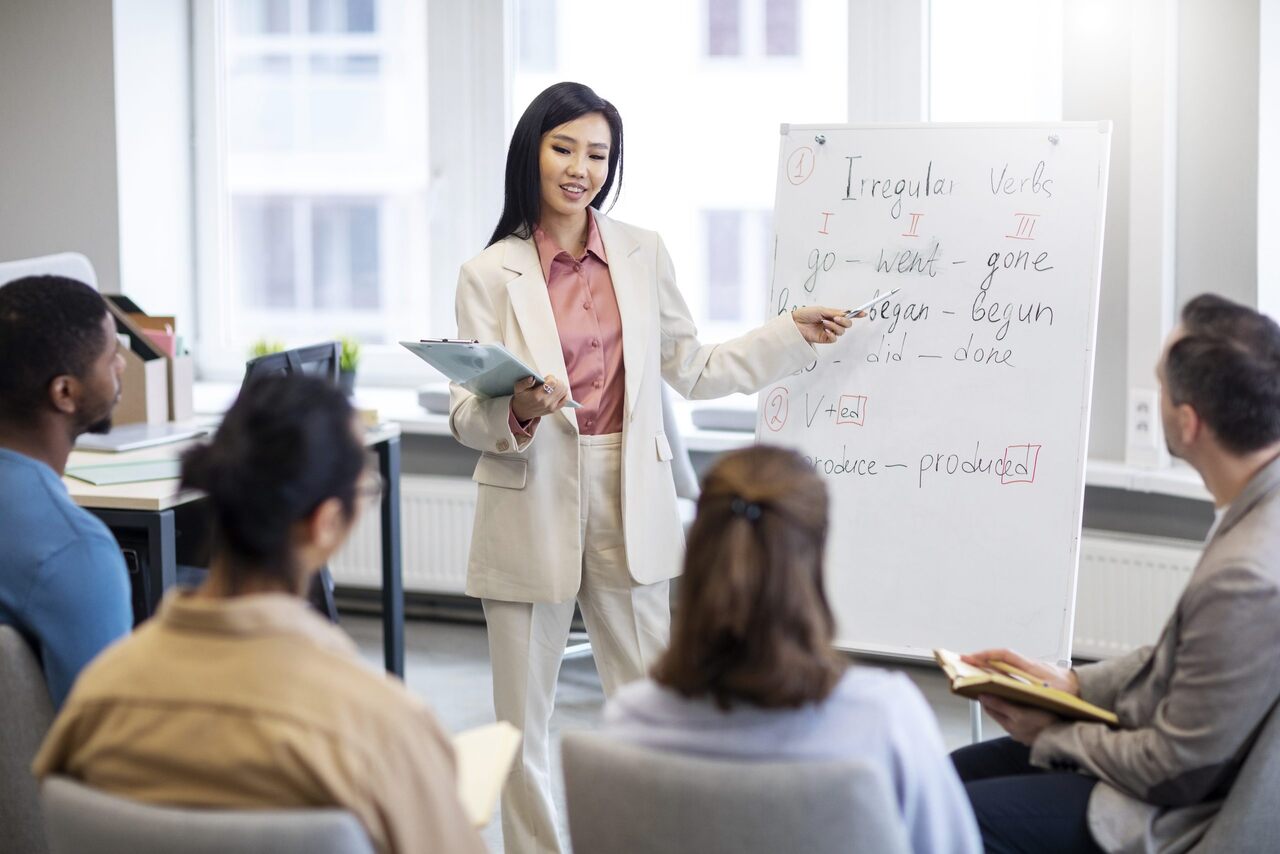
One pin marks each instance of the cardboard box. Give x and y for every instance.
(179, 373)
(144, 396)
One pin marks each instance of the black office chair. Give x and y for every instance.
(313, 360)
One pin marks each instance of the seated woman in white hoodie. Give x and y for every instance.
(751, 673)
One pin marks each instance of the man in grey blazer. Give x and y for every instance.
(1191, 706)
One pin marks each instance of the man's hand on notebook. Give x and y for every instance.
(1023, 723)
(1008, 661)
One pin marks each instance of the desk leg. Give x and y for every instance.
(392, 580)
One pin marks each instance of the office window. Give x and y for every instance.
(752, 28)
(701, 159)
(781, 27)
(724, 27)
(323, 179)
(536, 35)
(739, 260)
(724, 264)
(995, 60)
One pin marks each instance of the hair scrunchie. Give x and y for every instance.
(748, 510)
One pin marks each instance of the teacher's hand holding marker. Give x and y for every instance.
(821, 325)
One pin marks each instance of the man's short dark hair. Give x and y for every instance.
(49, 326)
(1227, 367)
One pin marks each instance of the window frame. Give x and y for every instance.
(752, 38)
(473, 35)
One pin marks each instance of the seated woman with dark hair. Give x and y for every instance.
(237, 695)
(751, 673)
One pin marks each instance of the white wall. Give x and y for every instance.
(1218, 65)
(153, 133)
(1224, 116)
(58, 133)
(1269, 156)
(1095, 76)
(95, 141)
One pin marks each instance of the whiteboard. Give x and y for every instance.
(951, 426)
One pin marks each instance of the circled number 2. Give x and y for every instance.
(800, 165)
(775, 409)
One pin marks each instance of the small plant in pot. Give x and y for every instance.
(265, 347)
(348, 361)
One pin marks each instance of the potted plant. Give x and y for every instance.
(348, 361)
(265, 347)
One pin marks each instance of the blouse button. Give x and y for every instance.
(577, 268)
(598, 383)
(595, 342)
(587, 306)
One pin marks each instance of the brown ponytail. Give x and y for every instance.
(753, 623)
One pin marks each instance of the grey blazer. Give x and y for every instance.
(1191, 706)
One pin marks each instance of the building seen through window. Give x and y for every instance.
(325, 176)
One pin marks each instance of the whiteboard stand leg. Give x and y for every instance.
(975, 721)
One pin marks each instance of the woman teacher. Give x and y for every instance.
(581, 504)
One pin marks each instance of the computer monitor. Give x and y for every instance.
(314, 360)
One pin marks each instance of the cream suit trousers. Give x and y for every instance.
(628, 625)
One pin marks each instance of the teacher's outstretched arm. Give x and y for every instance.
(744, 364)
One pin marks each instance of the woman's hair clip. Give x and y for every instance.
(748, 510)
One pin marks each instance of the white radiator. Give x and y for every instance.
(1126, 591)
(436, 516)
(1127, 585)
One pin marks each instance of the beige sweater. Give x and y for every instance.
(257, 702)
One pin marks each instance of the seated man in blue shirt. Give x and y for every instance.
(63, 582)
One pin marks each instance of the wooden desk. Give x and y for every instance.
(146, 512)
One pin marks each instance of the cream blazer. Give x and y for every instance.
(526, 543)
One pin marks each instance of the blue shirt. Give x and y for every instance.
(871, 715)
(63, 582)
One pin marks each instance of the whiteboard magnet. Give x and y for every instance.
(820, 139)
(784, 128)
(1053, 138)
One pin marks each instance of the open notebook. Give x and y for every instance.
(1015, 686)
(484, 757)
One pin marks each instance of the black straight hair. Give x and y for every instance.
(556, 105)
(286, 445)
(1227, 367)
(50, 326)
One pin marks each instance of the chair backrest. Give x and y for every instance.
(70, 264)
(1248, 820)
(25, 715)
(622, 797)
(80, 819)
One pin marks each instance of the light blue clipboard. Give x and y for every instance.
(485, 370)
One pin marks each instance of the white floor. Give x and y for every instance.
(447, 665)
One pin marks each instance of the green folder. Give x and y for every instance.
(109, 474)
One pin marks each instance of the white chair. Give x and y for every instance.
(80, 819)
(621, 797)
(25, 715)
(73, 265)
